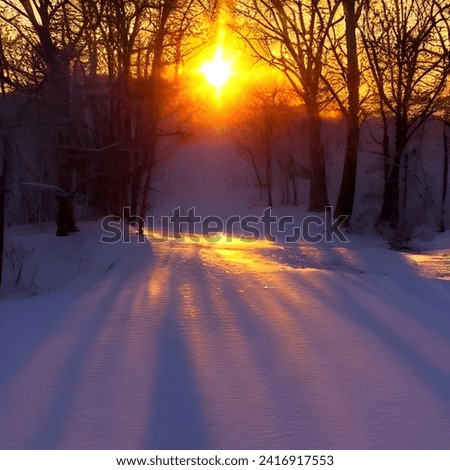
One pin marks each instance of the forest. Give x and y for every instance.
(95, 93)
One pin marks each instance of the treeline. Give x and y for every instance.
(94, 74)
(383, 58)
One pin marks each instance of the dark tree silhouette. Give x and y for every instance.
(343, 82)
(292, 36)
(259, 130)
(406, 43)
(2, 204)
(49, 28)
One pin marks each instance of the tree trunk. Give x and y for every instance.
(347, 190)
(269, 173)
(391, 199)
(293, 181)
(348, 185)
(135, 181)
(155, 84)
(389, 209)
(2, 205)
(268, 150)
(318, 197)
(56, 95)
(444, 176)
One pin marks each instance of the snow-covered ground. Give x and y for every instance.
(228, 345)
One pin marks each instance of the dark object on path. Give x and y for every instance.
(65, 216)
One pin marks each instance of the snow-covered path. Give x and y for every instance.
(229, 345)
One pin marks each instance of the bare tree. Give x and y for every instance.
(117, 29)
(342, 79)
(133, 41)
(193, 19)
(141, 38)
(259, 133)
(162, 14)
(292, 36)
(51, 32)
(406, 44)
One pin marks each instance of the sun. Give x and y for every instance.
(217, 71)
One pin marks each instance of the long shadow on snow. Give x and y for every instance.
(438, 380)
(176, 420)
(52, 426)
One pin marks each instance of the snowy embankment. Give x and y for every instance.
(36, 262)
(223, 345)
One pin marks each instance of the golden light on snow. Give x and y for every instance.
(217, 71)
